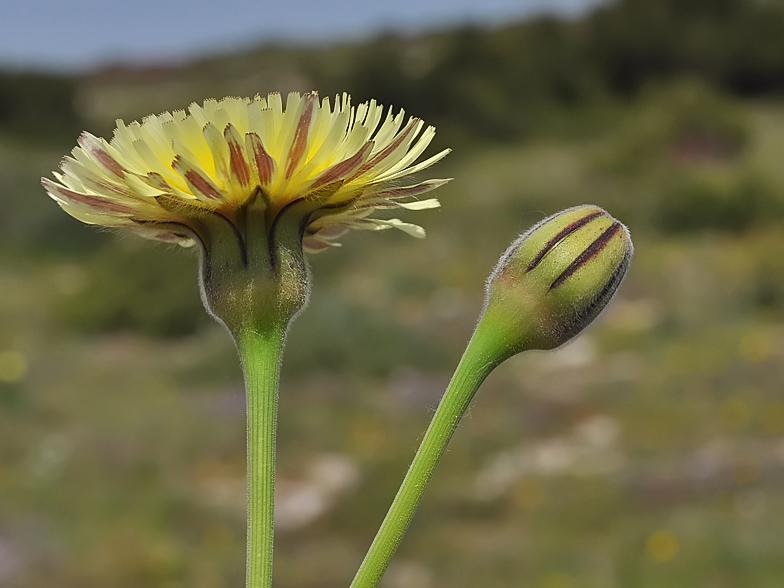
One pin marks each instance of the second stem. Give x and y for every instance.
(478, 361)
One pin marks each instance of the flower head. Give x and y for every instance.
(342, 163)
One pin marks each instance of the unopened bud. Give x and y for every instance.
(556, 278)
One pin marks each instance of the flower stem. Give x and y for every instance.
(479, 359)
(260, 353)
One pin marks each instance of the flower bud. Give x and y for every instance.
(555, 279)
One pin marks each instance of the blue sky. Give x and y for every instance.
(70, 35)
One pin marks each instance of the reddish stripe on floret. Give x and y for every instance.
(95, 202)
(300, 142)
(201, 184)
(239, 165)
(264, 163)
(389, 149)
(109, 162)
(342, 169)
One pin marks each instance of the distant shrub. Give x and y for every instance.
(710, 200)
(128, 287)
(38, 106)
(681, 123)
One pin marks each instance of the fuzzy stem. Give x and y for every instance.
(260, 353)
(479, 359)
(255, 281)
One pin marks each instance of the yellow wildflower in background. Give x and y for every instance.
(342, 163)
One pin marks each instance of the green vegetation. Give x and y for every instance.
(648, 454)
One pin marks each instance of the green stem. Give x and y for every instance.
(260, 353)
(479, 359)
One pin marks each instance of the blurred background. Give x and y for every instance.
(648, 453)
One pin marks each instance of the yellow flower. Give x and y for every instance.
(341, 163)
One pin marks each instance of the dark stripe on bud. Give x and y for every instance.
(590, 312)
(593, 250)
(564, 232)
(580, 257)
